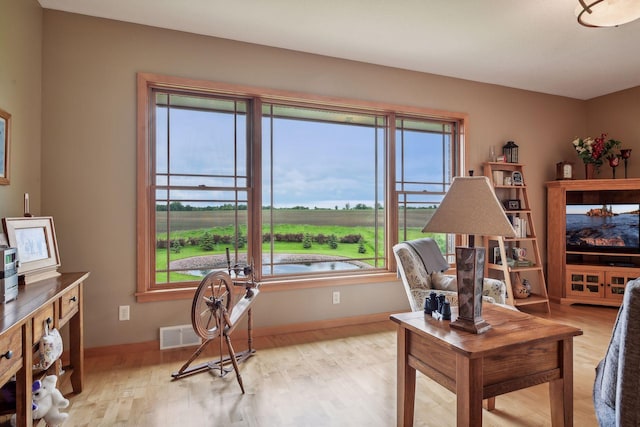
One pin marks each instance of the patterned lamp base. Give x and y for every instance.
(470, 272)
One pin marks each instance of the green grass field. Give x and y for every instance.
(193, 225)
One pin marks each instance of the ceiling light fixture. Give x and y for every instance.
(607, 13)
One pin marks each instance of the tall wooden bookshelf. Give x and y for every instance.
(505, 254)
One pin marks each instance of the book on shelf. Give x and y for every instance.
(520, 225)
(517, 262)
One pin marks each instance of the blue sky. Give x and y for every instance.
(582, 209)
(316, 164)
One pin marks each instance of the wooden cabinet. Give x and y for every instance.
(573, 274)
(22, 323)
(584, 282)
(597, 284)
(515, 260)
(615, 282)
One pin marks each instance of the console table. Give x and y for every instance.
(22, 325)
(519, 351)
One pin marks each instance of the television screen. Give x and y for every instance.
(606, 228)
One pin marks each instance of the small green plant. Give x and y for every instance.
(240, 242)
(362, 249)
(333, 241)
(307, 241)
(206, 242)
(175, 246)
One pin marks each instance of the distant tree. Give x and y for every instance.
(176, 206)
(347, 206)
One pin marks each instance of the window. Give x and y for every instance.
(299, 189)
(200, 184)
(323, 181)
(426, 155)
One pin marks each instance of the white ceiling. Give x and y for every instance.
(535, 45)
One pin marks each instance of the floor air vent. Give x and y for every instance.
(178, 336)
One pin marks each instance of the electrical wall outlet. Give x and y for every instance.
(336, 297)
(123, 312)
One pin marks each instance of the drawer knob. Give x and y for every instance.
(8, 354)
(73, 299)
(49, 320)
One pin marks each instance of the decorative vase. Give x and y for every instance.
(589, 171)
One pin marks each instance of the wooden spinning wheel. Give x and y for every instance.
(212, 301)
(218, 305)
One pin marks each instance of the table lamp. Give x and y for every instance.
(470, 207)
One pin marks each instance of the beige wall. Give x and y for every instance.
(88, 141)
(618, 115)
(20, 95)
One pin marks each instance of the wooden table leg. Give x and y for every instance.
(468, 391)
(561, 390)
(406, 381)
(490, 403)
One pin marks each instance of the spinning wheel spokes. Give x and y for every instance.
(212, 299)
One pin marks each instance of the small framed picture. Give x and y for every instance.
(516, 178)
(512, 205)
(35, 241)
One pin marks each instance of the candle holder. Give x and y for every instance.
(625, 154)
(614, 161)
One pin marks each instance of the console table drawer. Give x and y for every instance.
(10, 342)
(69, 303)
(38, 322)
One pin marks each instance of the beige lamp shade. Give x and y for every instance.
(470, 207)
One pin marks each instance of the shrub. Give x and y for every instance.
(333, 242)
(351, 238)
(361, 247)
(240, 242)
(207, 242)
(307, 241)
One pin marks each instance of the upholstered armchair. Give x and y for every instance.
(418, 283)
(615, 392)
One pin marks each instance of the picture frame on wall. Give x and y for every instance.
(36, 244)
(5, 144)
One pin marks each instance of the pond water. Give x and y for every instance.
(316, 267)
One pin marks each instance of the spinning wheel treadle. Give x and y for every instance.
(218, 305)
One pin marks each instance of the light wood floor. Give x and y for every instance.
(338, 377)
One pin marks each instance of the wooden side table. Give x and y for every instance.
(519, 351)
